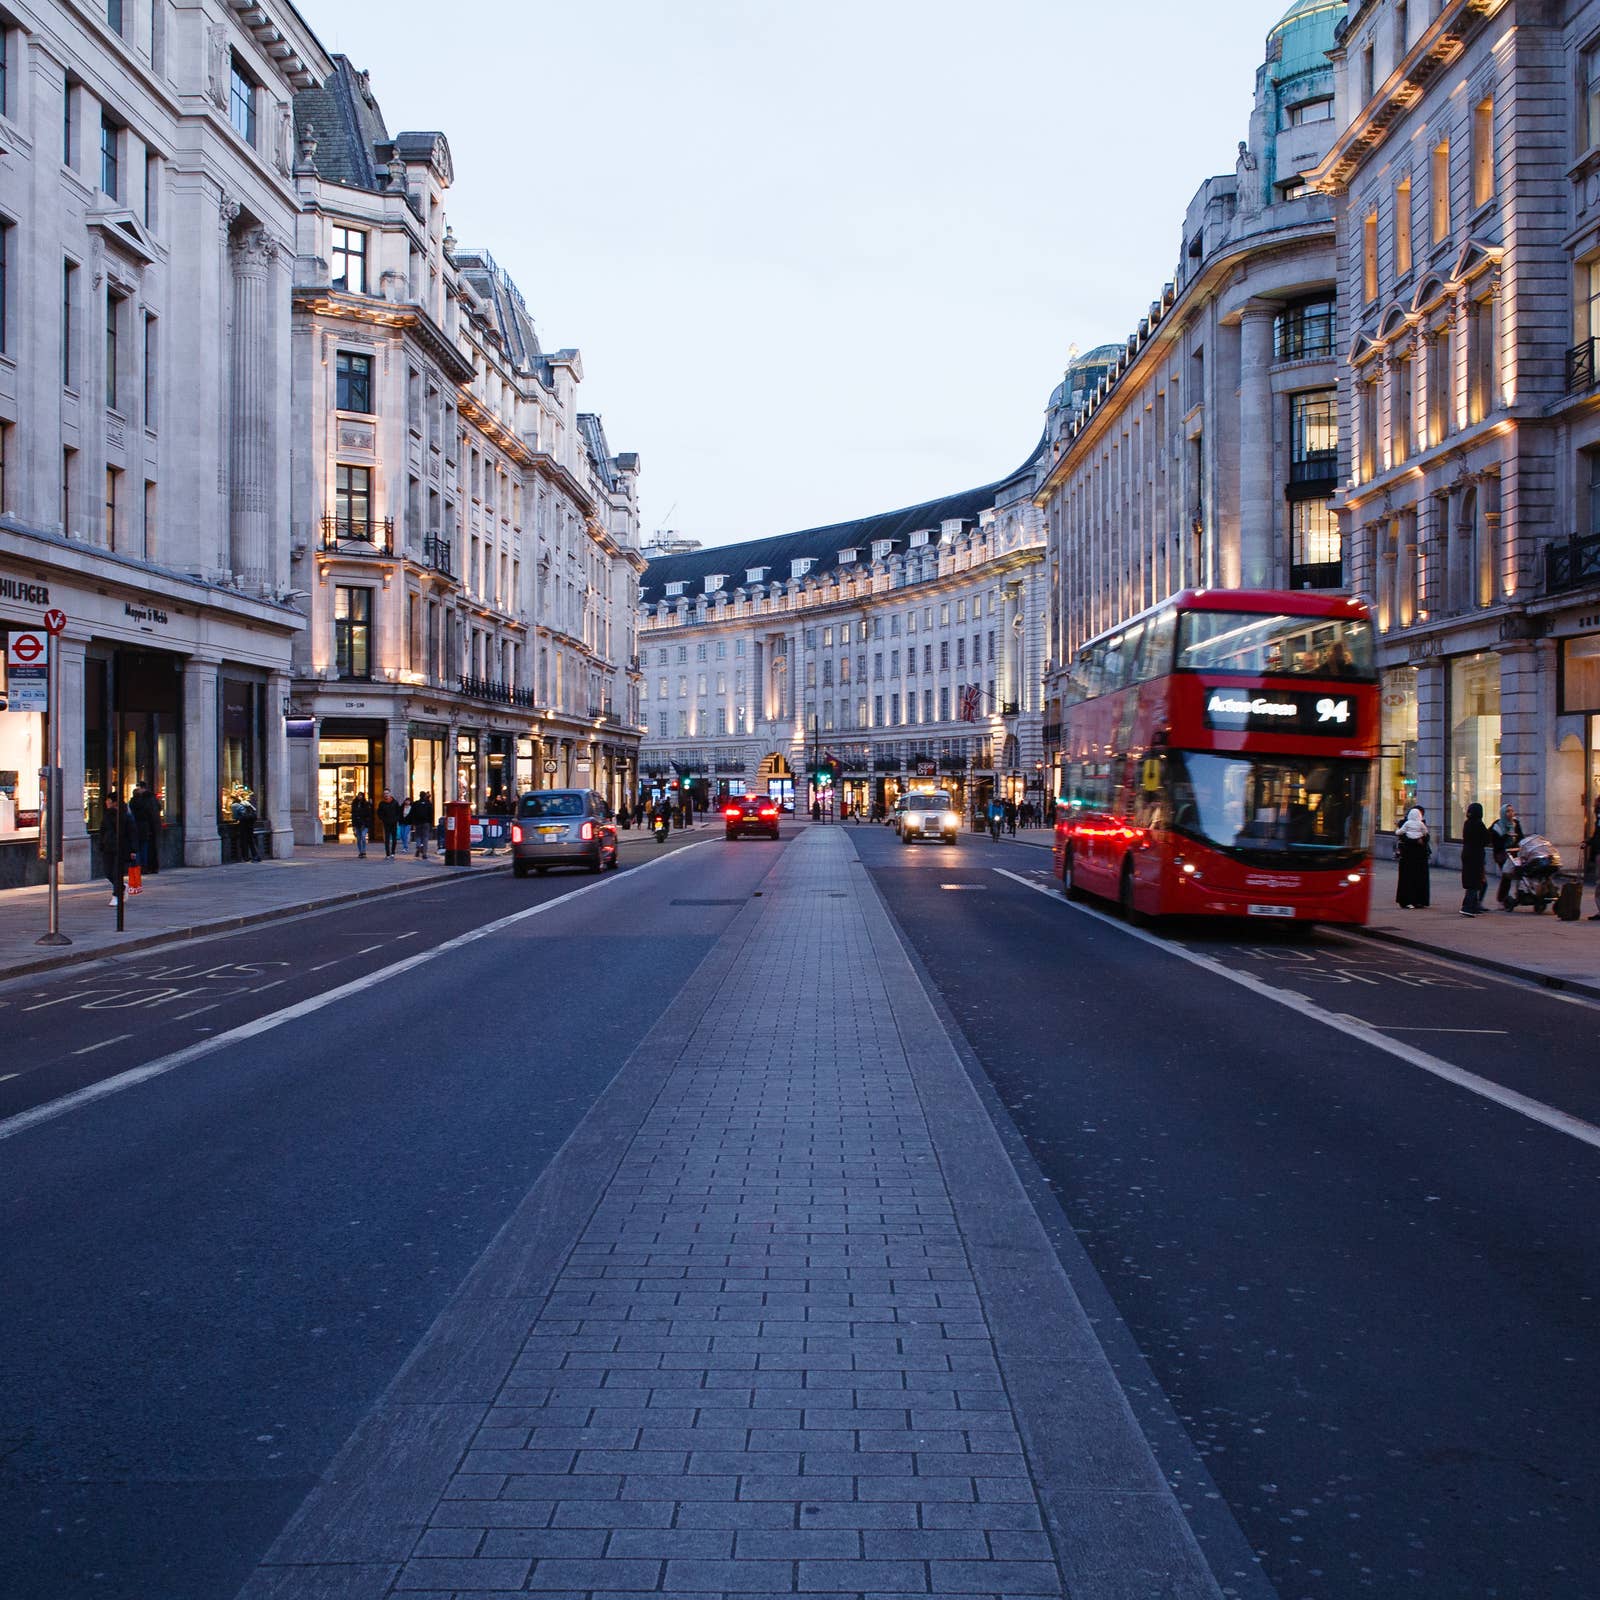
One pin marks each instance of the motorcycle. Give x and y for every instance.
(661, 828)
(1535, 874)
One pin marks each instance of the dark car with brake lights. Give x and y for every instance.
(751, 813)
(563, 828)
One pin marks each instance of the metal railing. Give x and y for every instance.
(436, 554)
(1580, 366)
(1571, 563)
(371, 537)
(1316, 466)
(505, 694)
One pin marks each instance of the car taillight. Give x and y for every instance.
(516, 833)
(732, 811)
(769, 811)
(586, 831)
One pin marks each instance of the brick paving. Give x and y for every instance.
(764, 1367)
(762, 1364)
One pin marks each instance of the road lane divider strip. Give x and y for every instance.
(1508, 1099)
(31, 1118)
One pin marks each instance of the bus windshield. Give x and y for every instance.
(1273, 810)
(1263, 643)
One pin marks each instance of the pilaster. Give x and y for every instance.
(202, 839)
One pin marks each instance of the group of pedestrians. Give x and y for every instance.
(398, 823)
(1414, 851)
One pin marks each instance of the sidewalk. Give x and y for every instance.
(1564, 955)
(778, 1319)
(183, 903)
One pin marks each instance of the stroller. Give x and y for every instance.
(1535, 874)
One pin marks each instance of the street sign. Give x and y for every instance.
(55, 621)
(27, 672)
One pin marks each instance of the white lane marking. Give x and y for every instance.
(369, 949)
(46, 1004)
(1508, 1099)
(6, 1077)
(197, 1010)
(89, 1049)
(262, 988)
(275, 1019)
(322, 964)
(399, 936)
(1389, 1028)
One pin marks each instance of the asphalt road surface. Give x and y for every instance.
(1368, 1291)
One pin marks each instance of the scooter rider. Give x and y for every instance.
(661, 819)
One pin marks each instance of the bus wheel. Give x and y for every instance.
(1068, 886)
(1130, 912)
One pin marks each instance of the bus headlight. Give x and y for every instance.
(1352, 877)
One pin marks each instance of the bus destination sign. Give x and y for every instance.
(1281, 711)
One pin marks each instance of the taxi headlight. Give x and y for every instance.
(950, 820)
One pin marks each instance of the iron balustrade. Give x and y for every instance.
(1580, 366)
(1572, 563)
(436, 554)
(505, 694)
(371, 537)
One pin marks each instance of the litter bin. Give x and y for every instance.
(457, 833)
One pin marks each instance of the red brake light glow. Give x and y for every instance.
(586, 831)
(516, 833)
(769, 811)
(732, 811)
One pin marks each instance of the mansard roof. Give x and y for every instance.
(491, 282)
(348, 124)
(821, 546)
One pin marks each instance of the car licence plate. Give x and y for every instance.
(1271, 911)
(550, 833)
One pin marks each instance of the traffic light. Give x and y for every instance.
(822, 778)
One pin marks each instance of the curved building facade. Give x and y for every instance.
(905, 649)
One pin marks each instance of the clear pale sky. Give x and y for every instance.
(821, 259)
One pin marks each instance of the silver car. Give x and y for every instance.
(563, 828)
(927, 815)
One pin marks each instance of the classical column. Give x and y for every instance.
(1431, 745)
(202, 795)
(1258, 499)
(251, 253)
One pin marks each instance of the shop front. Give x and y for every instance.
(1580, 704)
(1472, 758)
(500, 773)
(133, 733)
(350, 761)
(468, 771)
(426, 771)
(1397, 755)
(528, 775)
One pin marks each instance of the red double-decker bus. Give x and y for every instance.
(1218, 756)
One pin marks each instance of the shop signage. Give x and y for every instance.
(549, 766)
(300, 727)
(1279, 711)
(27, 672)
(143, 613)
(29, 594)
(927, 769)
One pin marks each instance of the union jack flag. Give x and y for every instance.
(969, 703)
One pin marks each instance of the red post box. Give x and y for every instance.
(457, 833)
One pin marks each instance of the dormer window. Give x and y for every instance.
(798, 569)
(846, 557)
(674, 591)
(755, 575)
(715, 581)
(881, 549)
(919, 539)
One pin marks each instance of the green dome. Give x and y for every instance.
(1303, 36)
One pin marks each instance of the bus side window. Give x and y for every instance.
(1158, 642)
(1133, 668)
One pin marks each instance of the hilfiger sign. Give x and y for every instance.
(1239, 711)
(23, 592)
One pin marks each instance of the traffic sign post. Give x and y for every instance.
(31, 659)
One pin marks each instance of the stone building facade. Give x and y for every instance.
(1467, 218)
(906, 648)
(465, 545)
(147, 228)
(1204, 451)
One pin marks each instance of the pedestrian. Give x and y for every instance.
(1474, 851)
(816, 811)
(422, 822)
(118, 845)
(361, 822)
(1504, 837)
(1412, 847)
(146, 811)
(389, 821)
(244, 814)
(403, 824)
(1011, 818)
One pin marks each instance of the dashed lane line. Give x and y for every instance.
(31, 1118)
(1507, 1099)
(89, 1049)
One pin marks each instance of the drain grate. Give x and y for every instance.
(705, 902)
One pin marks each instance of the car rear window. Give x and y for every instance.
(550, 805)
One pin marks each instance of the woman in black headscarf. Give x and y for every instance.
(1412, 848)
(1474, 854)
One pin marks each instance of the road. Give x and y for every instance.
(1329, 1204)
(1368, 1293)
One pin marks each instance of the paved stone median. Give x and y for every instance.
(763, 1364)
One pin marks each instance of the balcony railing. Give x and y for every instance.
(1580, 366)
(1052, 735)
(1315, 467)
(352, 538)
(505, 694)
(436, 554)
(1572, 563)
